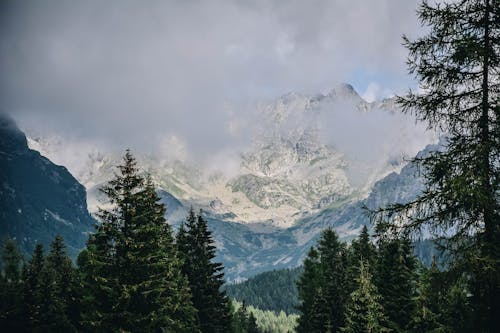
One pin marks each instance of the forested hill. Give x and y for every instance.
(274, 290)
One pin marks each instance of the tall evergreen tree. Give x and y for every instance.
(252, 324)
(131, 264)
(307, 286)
(396, 281)
(364, 312)
(52, 306)
(325, 270)
(205, 276)
(65, 278)
(11, 317)
(457, 65)
(319, 318)
(31, 287)
(429, 307)
(333, 263)
(361, 249)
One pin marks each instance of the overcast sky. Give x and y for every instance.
(132, 71)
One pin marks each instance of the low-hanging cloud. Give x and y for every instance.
(130, 73)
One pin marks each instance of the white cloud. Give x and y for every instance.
(128, 71)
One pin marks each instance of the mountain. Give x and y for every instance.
(38, 199)
(314, 162)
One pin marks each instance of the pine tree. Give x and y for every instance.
(333, 263)
(11, 316)
(307, 287)
(361, 249)
(457, 65)
(131, 265)
(205, 276)
(428, 313)
(325, 270)
(65, 279)
(364, 313)
(52, 308)
(240, 319)
(252, 324)
(31, 287)
(396, 281)
(320, 319)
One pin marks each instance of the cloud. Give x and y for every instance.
(131, 73)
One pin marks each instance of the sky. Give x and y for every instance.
(130, 73)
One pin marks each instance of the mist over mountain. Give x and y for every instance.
(303, 154)
(312, 161)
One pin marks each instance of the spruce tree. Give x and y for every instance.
(396, 281)
(429, 306)
(307, 287)
(65, 278)
(11, 314)
(457, 65)
(52, 307)
(319, 318)
(333, 263)
(131, 265)
(31, 287)
(205, 276)
(323, 285)
(364, 312)
(252, 324)
(361, 249)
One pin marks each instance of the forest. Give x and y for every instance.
(137, 275)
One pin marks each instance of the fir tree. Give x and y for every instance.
(31, 287)
(252, 324)
(131, 264)
(320, 319)
(307, 287)
(364, 313)
(325, 270)
(396, 281)
(65, 278)
(11, 316)
(457, 65)
(205, 276)
(361, 249)
(52, 308)
(428, 313)
(333, 263)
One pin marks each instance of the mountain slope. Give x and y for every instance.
(38, 199)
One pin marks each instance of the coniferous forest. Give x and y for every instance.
(136, 274)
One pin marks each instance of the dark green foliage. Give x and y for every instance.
(275, 290)
(319, 319)
(396, 281)
(205, 276)
(66, 280)
(457, 65)
(244, 321)
(308, 285)
(364, 312)
(429, 305)
(11, 318)
(31, 286)
(363, 249)
(322, 286)
(131, 267)
(252, 324)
